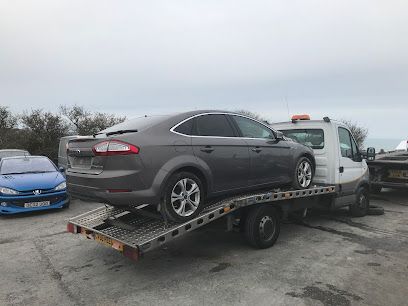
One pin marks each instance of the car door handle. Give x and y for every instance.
(207, 149)
(256, 149)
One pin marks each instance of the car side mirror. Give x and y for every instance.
(61, 169)
(279, 135)
(370, 153)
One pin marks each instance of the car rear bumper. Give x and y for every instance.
(119, 188)
(116, 197)
(15, 204)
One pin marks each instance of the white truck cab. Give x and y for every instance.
(338, 159)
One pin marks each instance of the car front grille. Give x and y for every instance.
(53, 200)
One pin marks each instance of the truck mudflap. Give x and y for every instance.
(136, 230)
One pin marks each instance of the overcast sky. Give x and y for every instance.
(345, 59)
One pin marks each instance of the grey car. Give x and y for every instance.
(176, 162)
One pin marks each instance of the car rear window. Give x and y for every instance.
(185, 128)
(140, 123)
(313, 138)
(26, 165)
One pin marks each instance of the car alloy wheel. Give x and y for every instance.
(185, 197)
(304, 174)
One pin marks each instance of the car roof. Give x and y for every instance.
(13, 150)
(25, 156)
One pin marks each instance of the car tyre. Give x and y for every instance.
(361, 204)
(184, 197)
(304, 173)
(262, 227)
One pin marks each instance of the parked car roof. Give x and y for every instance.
(13, 152)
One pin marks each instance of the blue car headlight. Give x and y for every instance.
(61, 186)
(8, 191)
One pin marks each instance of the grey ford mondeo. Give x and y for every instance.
(176, 162)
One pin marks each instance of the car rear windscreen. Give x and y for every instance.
(26, 165)
(313, 138)
(139, 124)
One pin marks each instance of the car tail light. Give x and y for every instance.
(114, 147)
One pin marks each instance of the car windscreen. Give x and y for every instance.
(26, 165)
(313, 138)
(140, 123)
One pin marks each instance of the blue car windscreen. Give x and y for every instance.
(26, 165)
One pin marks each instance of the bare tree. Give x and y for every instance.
(360, 133)
(84, 122)
(252, 115)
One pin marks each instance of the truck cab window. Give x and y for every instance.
(348, 146)
(313, 138)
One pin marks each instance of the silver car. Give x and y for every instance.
(176, 162)
(13, 152)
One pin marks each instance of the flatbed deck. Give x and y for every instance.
(136, 230)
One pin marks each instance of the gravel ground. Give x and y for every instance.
(328, 259)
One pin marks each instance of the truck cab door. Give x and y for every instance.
(351, 164)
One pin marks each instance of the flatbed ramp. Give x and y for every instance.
(135, 230)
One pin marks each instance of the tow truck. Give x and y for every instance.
(389, 170)
(341, 179)
(137, 230)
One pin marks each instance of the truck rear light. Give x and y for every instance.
(114, 147)
(72, 228)
(131, 253)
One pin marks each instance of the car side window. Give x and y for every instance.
(185, 128)
(213, 125)
(252, 129)
(348, 147)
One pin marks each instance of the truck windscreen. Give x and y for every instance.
(313, 138)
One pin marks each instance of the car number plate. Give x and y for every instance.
(402, 174)
(36, 204)
(109, 242)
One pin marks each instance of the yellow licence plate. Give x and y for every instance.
(109, 242)
(401, 174)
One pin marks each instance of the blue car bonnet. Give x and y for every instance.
(32, 181)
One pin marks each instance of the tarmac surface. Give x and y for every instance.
(327, 259)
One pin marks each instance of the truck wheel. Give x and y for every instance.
(262, 227)
(362, 203)
(303, 176)
(375, 189)
(184, 197)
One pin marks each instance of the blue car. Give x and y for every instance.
(31, 183)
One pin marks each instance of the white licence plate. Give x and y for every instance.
(37, 204)
(401, 174)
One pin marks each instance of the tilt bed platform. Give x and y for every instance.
(135, 230)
